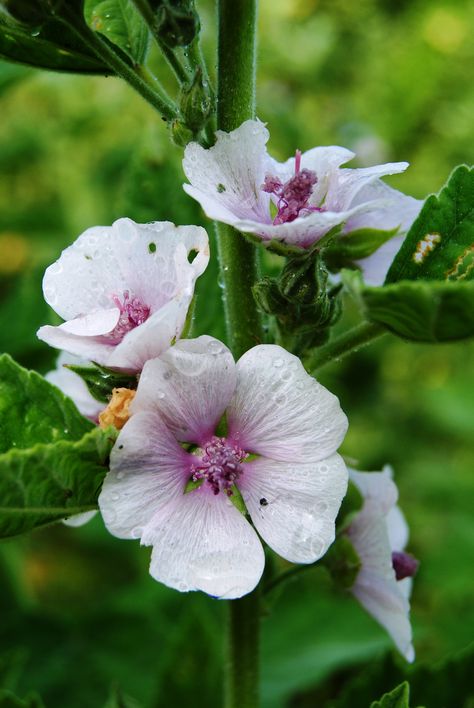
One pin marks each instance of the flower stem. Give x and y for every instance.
(338, 348)
(235, 104)
(243, 652)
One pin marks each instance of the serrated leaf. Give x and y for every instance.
(34, 411)
(421, 310)
(47, 483)
(440, 243)
(398, 698)
(51, 46)
(121, 23)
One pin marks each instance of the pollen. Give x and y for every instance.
(220, 465)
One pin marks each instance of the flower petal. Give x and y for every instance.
(294, 506)
(397, 529)
(73, 386)
(226, 179)
(280, 411)
(378, 489)
(90, 348)
(190, 385)
(201, 542)
(79, 519)
(149, 260)
(346, 184)
(148, 468)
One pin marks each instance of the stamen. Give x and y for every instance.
(220, 465)
(133, 313)
(404, 565)
(293, 195)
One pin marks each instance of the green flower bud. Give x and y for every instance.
(177, 22)
(196, 103)
(180, 133)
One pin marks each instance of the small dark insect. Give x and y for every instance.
(263, 502)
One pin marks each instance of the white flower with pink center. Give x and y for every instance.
(379, 534)
(124, 291)
(176, 469)
(297, 201)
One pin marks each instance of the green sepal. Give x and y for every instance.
(47, 483)
(351, 505)
(345, 249)
(195, 103)
(237, 500)
(440, 243)
(101, 381)
(343, 562)
(192, 484)
(122, 25)
(280, 248)
(177, 22)
(221, 428)
(398, 698)
(421, 310)
(32, 410)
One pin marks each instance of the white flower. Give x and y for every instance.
(73, 386)
(124, 291)
(278, 450)
(379, 534)
(238, 183)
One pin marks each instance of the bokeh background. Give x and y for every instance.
(82, 623)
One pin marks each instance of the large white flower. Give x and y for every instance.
(379, 534)
(278, 450)
(124, 291)
(73, 386)
(297, 201)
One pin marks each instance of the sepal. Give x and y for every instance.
(101, 381)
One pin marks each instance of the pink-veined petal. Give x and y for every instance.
(293, 505)
(201, 542)
(346, 184)
(90, 348)
(280, 411)
(79, 519)
(190, 385)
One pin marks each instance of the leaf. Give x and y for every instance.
(9, 700)
(421, 311)
(355, 245)
(118, 699)
(51, 46)
(101, 381)
(49, 482)
(121, 23)
(440, 243)
(34, 411)
(398, 698)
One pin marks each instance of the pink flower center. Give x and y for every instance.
(404, 565)
(292, 196)
(133, 313)
(220, 465)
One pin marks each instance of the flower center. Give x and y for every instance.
(292, 196)
(404, 565)
(220, 465)
(132, 314)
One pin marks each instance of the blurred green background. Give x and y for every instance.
(81, 620)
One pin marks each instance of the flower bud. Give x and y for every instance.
(196, 103)
(180, 133)
(177, 22)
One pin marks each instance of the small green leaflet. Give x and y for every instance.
(34, 411)
(121, 23)
(49, 482)
(398, 698)
(440, 243)
(421, 310)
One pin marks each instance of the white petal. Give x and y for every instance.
(280, 411)
(378, 488)
(79, 519)
(73, 386)
(376, 587)
(300, 504)
(397, 529)
(202, 542)
(90, 348)
(151, 338)
(148, 260)
(148, 468)
(237, 163)
(399, 210)
(346, 184)
(93, 324)
(375, 267)
(190, 386)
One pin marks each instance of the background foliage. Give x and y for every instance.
(82, 622)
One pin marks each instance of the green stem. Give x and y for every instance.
(347, 343)
(243, 652)
(175, 64)
(285, 576)
(235, 104)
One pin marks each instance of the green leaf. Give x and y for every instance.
(121, 23)
(34, 411)
(355, 245)
(9, 700)
(440, 243)
(421, 311)
(47, 483)
(398, 698)
(52, 46)
(118, 699)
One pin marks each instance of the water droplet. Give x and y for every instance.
(286, 375)
(115, 496)
(160, 394)
(277, 363)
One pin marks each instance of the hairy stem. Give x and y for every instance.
(243, 652)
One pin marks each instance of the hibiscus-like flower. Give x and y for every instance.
(124, 291)
(379, 534)
(206, 432)
(297, 201)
